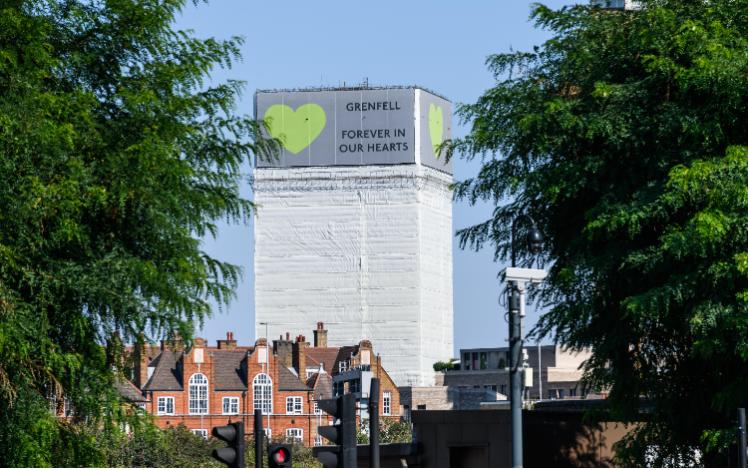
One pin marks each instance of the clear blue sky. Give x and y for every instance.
(439, 44)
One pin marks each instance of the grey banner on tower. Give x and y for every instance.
(345, 127)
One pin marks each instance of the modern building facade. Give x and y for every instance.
(354, 222)
(206, 386)
(552, 372)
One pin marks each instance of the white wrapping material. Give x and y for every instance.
(366, 250)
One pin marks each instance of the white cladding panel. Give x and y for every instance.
(367, 251)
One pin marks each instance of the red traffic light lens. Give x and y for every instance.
(280, 455)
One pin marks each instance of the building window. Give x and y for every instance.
(268, 433)
(573, 392)
(503, 389)
(386, 403)
(295, 434)
(317, 440)
(310, 373)
(421, 407)
(483, 360)
(165, 406)
(198, 394)
(201, 432)
(342, 366)
(317, 410)
(231, 405)
(263, 393)
(293, 406)
(466, 361)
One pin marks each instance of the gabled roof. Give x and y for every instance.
(165, 375)
(128, 390)
(321, 384)
(330, 357)
(228, 373)
(327, 356)
(288, 381)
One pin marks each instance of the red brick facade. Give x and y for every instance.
(296, 370)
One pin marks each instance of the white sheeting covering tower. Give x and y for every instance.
(366, 249)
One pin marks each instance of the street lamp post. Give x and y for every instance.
(516, 287)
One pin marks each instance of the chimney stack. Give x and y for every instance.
(320, 336)
(141, 361)
(228, 343)
(174, 343)
(299, 355)
(283, 350)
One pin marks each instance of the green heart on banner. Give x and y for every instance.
(436, 126)
(295, 129)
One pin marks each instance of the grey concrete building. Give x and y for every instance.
(482, 380)
(551, 372)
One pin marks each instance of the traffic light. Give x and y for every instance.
(233, 435)
(279, 456)
(341, 434)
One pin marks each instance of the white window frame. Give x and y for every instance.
(262, 393)
(296, 434)
(317, 440)
(198, 394)
(386, 403)
(316, 408)
(165, 401)
(343, 366)
(268, 433)
(296, 405)
(233, 403)
(200, 432)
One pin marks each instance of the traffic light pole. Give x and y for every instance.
(240, 444)
(374, 424)
(350, 458)
(515, 372)
(259, 438)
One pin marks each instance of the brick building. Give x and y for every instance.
(206, 386)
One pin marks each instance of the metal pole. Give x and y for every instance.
(348, 429)
(741, 439)
(259, 434)
(374, 423)
(241, 444)
(515, 373)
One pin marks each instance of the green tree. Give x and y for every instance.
(116, 158)
(443, 366)
(391, 431)
(621, 136)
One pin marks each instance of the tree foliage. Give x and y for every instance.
(116, 158)
(623, 137)
(442, 366)
(391, 431)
